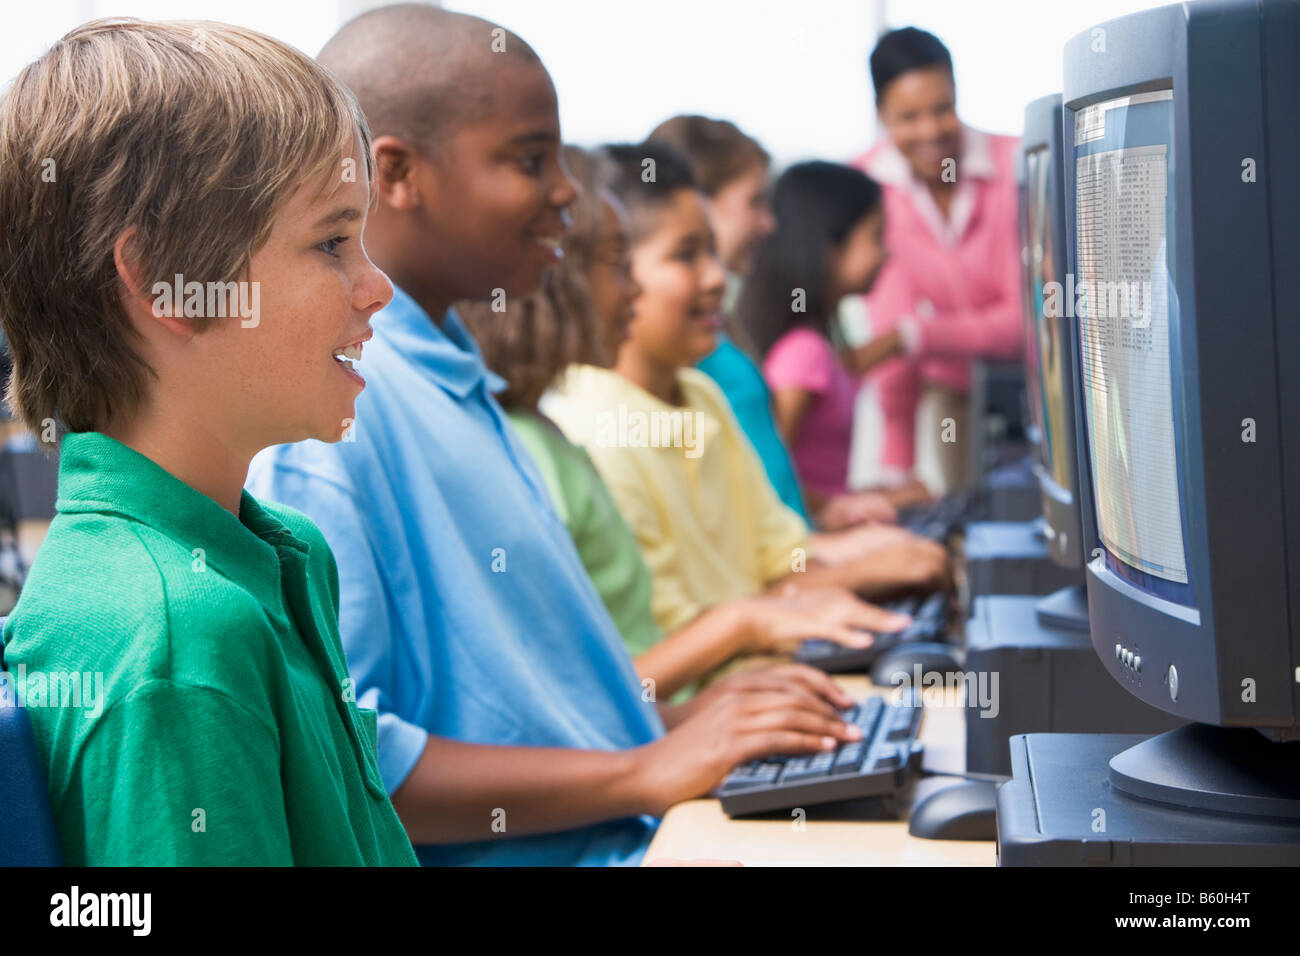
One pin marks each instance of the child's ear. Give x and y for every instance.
(143, 304)
(395, 173)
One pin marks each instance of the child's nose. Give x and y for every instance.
(374, 291)
(566, 190)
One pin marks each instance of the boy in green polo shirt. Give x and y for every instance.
(184, 286)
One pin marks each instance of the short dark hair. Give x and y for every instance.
(817, 205)
(421, 72)
(901, 51)
(717, 150)
(627, 171)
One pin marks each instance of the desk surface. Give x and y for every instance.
(698, 829)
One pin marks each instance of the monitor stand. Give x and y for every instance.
(1067, 803)
(1066, 609)
(1216, 769)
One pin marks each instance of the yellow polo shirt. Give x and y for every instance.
(689, 484)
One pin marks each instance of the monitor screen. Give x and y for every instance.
(1044, 373)
(1123, 169)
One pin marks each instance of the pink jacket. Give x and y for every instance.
(959, 280)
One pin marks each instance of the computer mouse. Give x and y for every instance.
(904, 659)
(948, 808)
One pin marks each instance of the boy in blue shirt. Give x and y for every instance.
(512, 728)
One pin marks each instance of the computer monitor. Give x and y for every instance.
(1049, 351)
(1048, 343)
(1186, 230)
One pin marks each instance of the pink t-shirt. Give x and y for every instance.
(804, 359)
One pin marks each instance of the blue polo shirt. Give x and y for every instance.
(464, 609)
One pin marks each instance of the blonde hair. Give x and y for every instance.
(194, 133)
(538, 336)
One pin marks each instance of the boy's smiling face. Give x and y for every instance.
(316, 291)
(494, 195)
(682, 282)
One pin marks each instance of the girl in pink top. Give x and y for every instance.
(827, 245)
(951, 291)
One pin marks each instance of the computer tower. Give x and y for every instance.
(1010, 557)
(1048, 679)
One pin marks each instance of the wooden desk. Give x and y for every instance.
(698, 829)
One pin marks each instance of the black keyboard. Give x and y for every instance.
(879, 764)
(938, 519)
(929, 623)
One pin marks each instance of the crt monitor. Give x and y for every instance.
(1186, 217)
(1048, 343)
(1049, 352)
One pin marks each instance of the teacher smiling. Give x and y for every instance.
(950, 292)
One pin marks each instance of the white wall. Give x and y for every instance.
(791, 72)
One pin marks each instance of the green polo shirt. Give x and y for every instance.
(225, 730)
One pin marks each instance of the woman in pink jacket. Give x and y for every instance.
(950, 292)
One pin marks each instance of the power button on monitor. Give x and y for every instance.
(1173, 682)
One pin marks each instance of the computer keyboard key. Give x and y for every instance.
(887, 760)
(763, 775)
(900, 718)
(849, 757)
(868, 714)
(802, 768)
(816, 647)
(823, 761)
(907, 605)
(934, 608)
(795, 764)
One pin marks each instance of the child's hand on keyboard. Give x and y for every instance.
(841, 547)
(782, 678)
(908, 494)
(920, 562)
(694, 757)
(779, 622)
(912, 562)
(845, 511)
